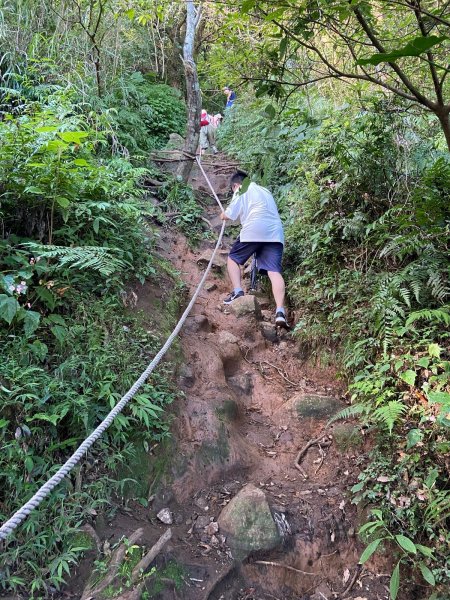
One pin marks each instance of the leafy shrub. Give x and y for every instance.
(365, 198)
(143, 114)
(72, 235)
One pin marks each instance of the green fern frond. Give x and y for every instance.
(81, 257)
(436, 315)
(389, 414)
(439, 507)
(348, 412)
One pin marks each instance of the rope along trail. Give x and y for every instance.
(20, 515)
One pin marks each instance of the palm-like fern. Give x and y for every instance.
(81, 257)
(436, 315)
(388, 414)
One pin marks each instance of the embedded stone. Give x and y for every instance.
(315, 406)
(246, 306)
(165, 516)
(218, 263)
(241, 384)
(248, 523)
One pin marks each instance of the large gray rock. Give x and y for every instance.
(315, 406)
(269, 332)
(246, 306)
(176, 142)
(219, 262)
(248, 523)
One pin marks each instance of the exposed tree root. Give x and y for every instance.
(323, 442)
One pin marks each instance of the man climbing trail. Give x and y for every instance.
(261, 234)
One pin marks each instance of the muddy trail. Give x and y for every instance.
(256, 486)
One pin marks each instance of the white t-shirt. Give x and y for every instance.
(258, 214)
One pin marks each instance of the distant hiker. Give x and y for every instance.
(231, 96)
(261, 234)
(204, 123)
(216, 120)
(207, 133)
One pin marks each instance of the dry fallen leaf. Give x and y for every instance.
(383, 478)
(346, 576)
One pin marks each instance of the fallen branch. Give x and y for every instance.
(274, 564)
(150, 556)
(136, 587)
(117, 559)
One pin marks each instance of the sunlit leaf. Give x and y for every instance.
(415, 47)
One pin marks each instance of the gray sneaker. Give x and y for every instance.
(229, 299)
(280, 320)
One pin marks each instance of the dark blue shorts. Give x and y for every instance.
(268, 254)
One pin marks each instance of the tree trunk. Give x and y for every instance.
(445, 124)
(193, 94)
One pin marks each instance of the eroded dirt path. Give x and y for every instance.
(250, 405)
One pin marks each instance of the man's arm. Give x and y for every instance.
(225, 217)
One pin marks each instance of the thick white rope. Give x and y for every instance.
(21, 514)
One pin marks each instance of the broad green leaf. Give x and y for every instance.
(32, 189)
(414, 437)
(409, 376)
(46, 129)
(247, 5)
(415, 47)
(72, 136)
(434, 350)
(96, 225)
(62, 202)
(424, 550)
(130, 13)
(283, 46)
(55, 145)
(427, 574)
(431, 478)
(406, 544)
(81, 162)
(369, 550)
(438, 397)
(46, 296)
(3, 423)
(53, 419)
(423, 362)
(60, 333)
(29, 464)
(8, 308)
(31, 321)
(270, 111)
(395, 582)
(276, 14)
(370, 527)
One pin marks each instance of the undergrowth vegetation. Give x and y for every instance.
(74, 238)
(365, 196)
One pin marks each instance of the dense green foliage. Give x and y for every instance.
(73, 235)
(365, 197)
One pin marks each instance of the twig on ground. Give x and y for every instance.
(350, 584)
(274, 564)
(266, 362)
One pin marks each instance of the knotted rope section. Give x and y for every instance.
(20, 515)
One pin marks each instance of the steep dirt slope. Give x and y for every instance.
(250, 407)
